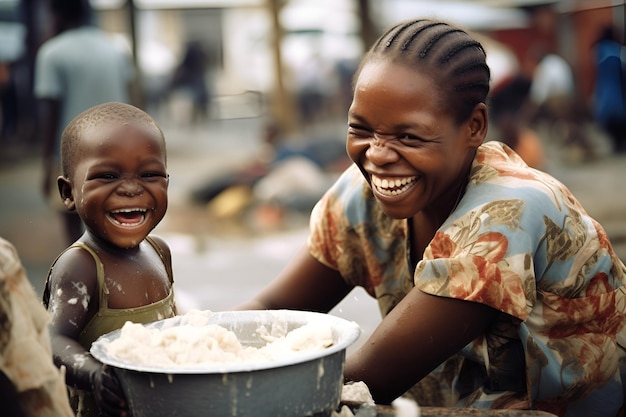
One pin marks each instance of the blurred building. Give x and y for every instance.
(259, 49)
(240, 34)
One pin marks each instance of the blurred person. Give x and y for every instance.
(115, 178)
(190, 78)
(79, 67)
(609, 101)
(315, 82)
(554, 100)
(509, 104)
(284, 175)
(509, 114)
(30, 383)
(8, 104)
(497, 289)
(12, 52)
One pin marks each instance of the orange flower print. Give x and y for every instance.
(442, 246)
(492, 246)
(599, 284)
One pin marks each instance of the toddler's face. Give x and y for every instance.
(120, 182)
(405, 141)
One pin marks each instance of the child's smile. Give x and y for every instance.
(128, 217)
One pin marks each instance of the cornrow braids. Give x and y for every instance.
(455, 60)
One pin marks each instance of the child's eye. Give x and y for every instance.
(105, 176)
(153, 175)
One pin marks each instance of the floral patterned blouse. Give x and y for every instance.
(518, 241)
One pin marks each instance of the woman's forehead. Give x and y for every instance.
(392, 72)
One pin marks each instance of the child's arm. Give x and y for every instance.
(73, 302)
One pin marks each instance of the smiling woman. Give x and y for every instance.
(115, 177)
(497, 289)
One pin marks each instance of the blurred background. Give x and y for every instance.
(252, 96)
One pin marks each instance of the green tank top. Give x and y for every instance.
(106, 320)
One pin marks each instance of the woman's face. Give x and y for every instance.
(408, 147)
(119, 187)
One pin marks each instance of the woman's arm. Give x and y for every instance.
(305, 284)
(421, 332)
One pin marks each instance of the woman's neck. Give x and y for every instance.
(425, 223)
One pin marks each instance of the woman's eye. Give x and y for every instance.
(358, 131)
(410, 139)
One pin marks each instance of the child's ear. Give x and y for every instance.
(478, 124)
(65, 190)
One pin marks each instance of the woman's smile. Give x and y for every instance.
(393, 186)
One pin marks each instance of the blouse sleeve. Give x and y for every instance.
(474, 258)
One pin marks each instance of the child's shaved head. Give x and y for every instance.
(94, 118)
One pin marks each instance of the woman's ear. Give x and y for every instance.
(65, 190)
(478, 125)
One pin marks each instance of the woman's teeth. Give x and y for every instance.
(393, 186)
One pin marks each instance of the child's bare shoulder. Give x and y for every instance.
(75, 266)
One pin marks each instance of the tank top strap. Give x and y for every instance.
(163, 256)
(99, 273)
(102, 289)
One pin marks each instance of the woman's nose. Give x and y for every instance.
(380, 153)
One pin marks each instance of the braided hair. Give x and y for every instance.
(455, 60)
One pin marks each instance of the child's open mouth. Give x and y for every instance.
(128, 217)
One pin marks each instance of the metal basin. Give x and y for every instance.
(305, 384)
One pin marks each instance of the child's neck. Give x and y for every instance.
(99, 243)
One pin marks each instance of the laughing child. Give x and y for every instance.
(115, 178)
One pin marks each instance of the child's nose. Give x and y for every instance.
(130, 188)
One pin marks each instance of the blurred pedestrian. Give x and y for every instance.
(30, 383)
(609, 101)
(509, 115)
(190, 78)
(554, 101)
(509, 104)
(79, 67)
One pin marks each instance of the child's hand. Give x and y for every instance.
(108, 393)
